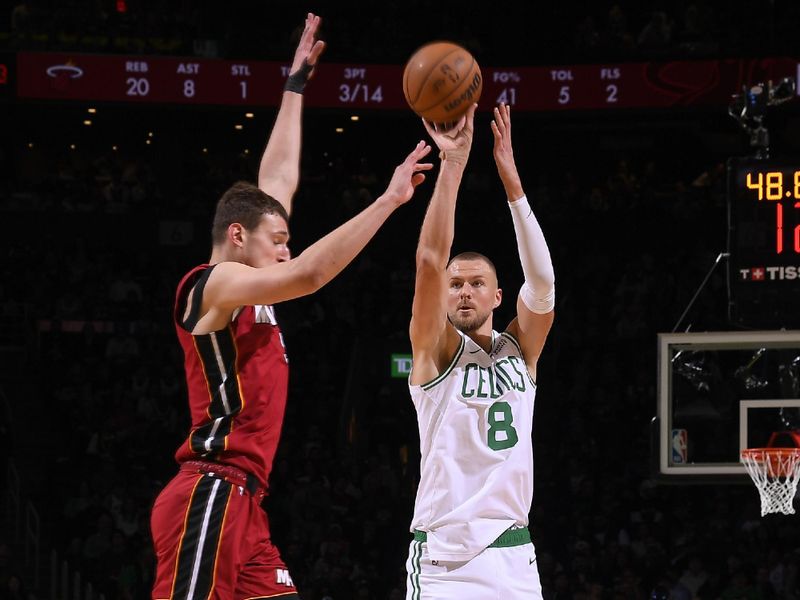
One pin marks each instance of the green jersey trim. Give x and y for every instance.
(513, 339)
(519, 349)
(451, 366)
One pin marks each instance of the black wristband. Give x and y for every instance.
(296, 82)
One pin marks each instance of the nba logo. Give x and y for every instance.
(679, 446)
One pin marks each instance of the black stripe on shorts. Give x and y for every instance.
(194, 573)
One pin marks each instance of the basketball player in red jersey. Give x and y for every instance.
(211, 535)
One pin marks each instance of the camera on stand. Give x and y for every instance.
(750, 107)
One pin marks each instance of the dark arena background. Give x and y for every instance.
(123, 121)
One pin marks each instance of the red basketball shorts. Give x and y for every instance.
(212, 541)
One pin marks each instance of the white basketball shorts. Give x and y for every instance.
(497, 573)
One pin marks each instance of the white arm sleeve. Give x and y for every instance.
(538, 292)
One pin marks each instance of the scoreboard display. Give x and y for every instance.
(764, 241)
(189, 80)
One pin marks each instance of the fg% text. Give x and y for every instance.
(505, 84)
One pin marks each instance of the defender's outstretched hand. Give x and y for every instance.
(407, 176)
(454, 143)
(308, 49)
(504, 152)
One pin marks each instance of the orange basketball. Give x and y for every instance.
(441, 80)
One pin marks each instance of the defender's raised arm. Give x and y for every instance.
(279, 171)
(239, 277)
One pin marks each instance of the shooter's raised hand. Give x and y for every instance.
(454, 143)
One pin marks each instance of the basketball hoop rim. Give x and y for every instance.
(772, 463)
(755, 453)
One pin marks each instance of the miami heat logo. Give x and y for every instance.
(61, 75)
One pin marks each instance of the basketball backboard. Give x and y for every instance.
(719, 393)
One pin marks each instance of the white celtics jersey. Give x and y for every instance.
(475, 423)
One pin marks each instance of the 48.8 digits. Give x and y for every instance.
(770, 185)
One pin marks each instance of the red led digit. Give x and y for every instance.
(797, 233)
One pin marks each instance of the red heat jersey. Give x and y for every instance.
(237, 382)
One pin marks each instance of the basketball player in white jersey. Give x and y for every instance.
(473, 389)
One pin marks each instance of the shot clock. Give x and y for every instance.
(764, 241)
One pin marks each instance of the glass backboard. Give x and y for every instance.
(721, 392)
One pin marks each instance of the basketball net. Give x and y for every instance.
(775, 471)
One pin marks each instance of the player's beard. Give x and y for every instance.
(469, 324)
